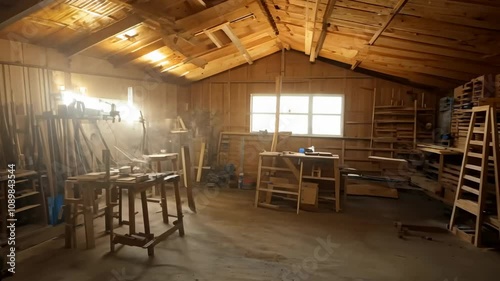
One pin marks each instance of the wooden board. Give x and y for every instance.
(372, 189)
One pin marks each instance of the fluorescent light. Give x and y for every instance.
(155, 56)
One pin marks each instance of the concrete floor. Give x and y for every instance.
(231, 240)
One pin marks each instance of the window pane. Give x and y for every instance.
(261, 122)
(327, 125)
(294, 104)
(327, 105)
(297, 124)
(263, 104)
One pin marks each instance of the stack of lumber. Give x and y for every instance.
(392, 174)
(461, 114)
(399, 121)
(394, 125)
(431, 169)
(392, 168)
(466, 97)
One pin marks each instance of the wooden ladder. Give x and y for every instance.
(471, 190)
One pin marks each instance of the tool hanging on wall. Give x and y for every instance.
(113, 113)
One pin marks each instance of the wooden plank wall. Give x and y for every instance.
(226, 97)
(30, 76)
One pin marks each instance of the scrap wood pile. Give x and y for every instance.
(392, 174)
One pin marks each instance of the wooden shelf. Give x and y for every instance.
(23, 195)
(278, 191)
(408, 121)
(318, 178)
(28, 207)
(275, 169)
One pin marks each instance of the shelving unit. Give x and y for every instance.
(397, 127)
(30, 208)
(466, 97)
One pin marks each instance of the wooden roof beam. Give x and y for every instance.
(103, 34)
(214, 38)
(21, 9)
(310, 26)
(142, 51)
(399, 6)
(249, 40)
(170, 42)
(324, 28)
(197, 4)
(236, 41)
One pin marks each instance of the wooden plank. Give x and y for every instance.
(18, 10)
(279, 85)
(394, 12)
(214, 38)
(372, 190)
(324, 28)
(377, 34)
(236, 41)
(468, 205)
(200, 162)
(310, 25)
(142, 51)
(467, 237)
(470, 189)
(292, 167)
(103, 34)
(473, 167)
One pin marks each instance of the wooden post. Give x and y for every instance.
(373, 118)
(200, 162)
(186, 166)
(415, 104)
(279, 82)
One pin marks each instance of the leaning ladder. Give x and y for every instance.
(472, 184)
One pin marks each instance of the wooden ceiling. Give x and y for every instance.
(438, 43)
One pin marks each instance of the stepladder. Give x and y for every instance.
(477, 196)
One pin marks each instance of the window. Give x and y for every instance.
(300, 114)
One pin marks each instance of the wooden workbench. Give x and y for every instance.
(88, 187)
(289, 159)
(442, 153)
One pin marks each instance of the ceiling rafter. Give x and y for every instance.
(399, 6)
(103, 34)
(310, 26)
(324, 29)
(250, 41)
(236, 41)
(138, 53)
(22, 9)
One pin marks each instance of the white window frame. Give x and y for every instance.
(310, 114)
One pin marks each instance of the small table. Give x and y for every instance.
(298, 173)
(147, 240)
